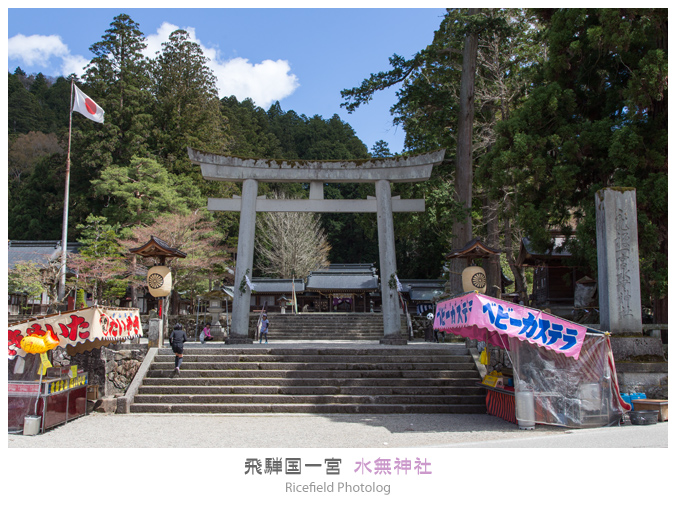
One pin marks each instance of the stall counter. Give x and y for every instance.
(500, 402)
(61, 400)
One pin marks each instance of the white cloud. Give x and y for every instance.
(263, 82)
(154, 42)
(36, 49)
(73, 64)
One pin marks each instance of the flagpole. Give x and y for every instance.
(64, 231)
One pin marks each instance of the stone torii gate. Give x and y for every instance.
(380, 171)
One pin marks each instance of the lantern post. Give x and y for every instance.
(159, 281)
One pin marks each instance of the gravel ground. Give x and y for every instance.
(99, 430)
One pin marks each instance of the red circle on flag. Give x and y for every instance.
(90, 105)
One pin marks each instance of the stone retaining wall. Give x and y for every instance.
(112, 368)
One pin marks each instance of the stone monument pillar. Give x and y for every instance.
(619, 282)
(155, 337)
(620, 295)
(241, 303)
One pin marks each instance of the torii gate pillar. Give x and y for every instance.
(380, 171)
(241, 302)
(388, 264)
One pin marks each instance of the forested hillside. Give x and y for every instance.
(153, 112)
(563, 103)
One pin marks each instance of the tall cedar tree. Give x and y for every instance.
(117, 79)
(595, 117)
(429, 109)
(186, 108)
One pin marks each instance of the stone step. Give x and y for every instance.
(316, 315)
(376, 350)
(317, 373)
(336, 330)
(327, 324)
(326, 321)
(351, 326)
(182, 381)
(430, 359)
(365, 366)
(318, 379)
(308, 399)
(328, 334)
(171, 389)
(310, 408)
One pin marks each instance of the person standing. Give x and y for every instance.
(265, 324)
(177, 338)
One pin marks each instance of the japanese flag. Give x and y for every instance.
(87, 107)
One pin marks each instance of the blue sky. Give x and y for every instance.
(301, 57)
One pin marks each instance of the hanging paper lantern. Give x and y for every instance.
(159, 281)
(474, 279)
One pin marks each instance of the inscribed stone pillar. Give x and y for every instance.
(388, 263)
(619, 282)
(155, 333)
(245, 250)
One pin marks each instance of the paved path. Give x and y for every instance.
(99, 430)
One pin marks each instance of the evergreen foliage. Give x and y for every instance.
(567, 101)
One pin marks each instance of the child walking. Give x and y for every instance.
(176, 340)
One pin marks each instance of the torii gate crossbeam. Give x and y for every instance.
(380, 171)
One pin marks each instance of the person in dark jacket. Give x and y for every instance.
(176, 340)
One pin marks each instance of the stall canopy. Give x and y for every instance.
(569, 367)
(79, 331)
(493, 320)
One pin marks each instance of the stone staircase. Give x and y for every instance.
(326, 326)
(422, 378)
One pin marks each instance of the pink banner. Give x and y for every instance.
(493, 320)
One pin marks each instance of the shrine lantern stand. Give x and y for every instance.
(159, 276)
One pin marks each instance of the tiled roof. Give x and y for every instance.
(269, 285)
(473, 249)
(40, 252)
(528, 256)
(323, 281)
(157, 247)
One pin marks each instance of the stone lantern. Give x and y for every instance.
(215, 298)
(283, 302)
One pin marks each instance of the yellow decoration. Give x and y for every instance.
(44, 363)
(34, 343)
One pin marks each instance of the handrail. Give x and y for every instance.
(409, 323)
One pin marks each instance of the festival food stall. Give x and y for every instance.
(41, 396)
(563, 373)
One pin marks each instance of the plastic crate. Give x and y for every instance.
(644, 417)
